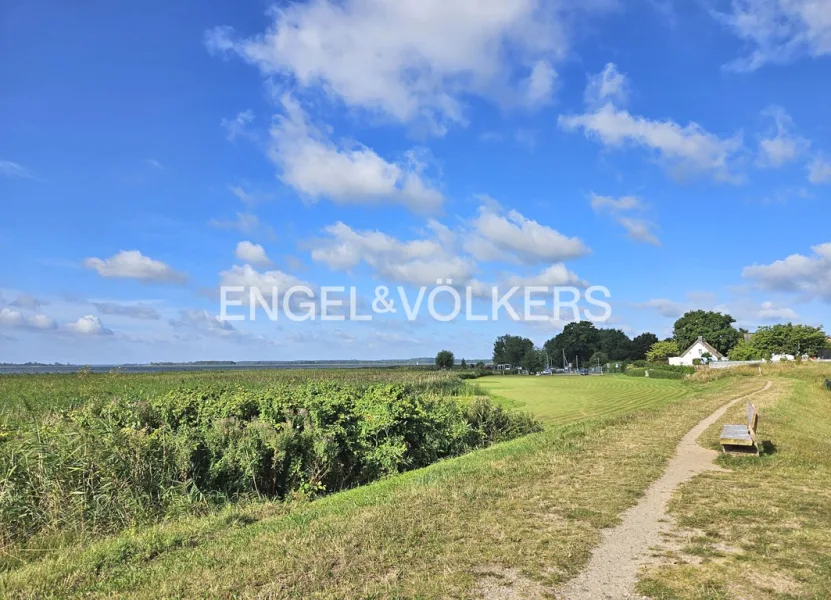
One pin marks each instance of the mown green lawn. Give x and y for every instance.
(565, 398)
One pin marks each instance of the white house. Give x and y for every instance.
(699, 348)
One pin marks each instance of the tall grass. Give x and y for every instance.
(131, 449)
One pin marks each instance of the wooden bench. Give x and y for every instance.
(741, 438)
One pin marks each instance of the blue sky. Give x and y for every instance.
(677, 153)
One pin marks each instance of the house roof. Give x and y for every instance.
(709, 348)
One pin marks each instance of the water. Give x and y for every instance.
(37, 369)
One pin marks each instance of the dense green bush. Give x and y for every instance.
(117, 462)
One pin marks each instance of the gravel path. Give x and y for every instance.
(613, 569)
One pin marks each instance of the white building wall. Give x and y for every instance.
(686, 359)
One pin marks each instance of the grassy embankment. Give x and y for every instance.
(524, 513)
(763, 529)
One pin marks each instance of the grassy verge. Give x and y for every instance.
(531, 508)
(763, 529)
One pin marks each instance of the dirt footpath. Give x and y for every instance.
(613, 569)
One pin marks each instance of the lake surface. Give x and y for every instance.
(35, 369)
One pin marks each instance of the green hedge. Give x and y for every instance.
(660, 371)
(107, 465)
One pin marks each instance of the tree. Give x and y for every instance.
(511, 349)
(641, 345)
(661, 351)
(464, 364)
(789, 339)
(745, 351)
(580, 339)
(598, 358)
(614, 343)
(445, 359)
(534, 360)
(716, 328)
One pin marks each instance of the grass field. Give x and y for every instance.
(566, 398)
(524, 513)
(515, 520)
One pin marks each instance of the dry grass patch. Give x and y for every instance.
(763, 529)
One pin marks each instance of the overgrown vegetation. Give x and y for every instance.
(533, 506)
(110, 461)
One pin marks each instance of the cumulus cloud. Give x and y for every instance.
(15, 319)
(688, 149)
(132, 264)
(272, 285)
(780, 145)
(779, 31)
(420, 262)
(318, 168)
(819, 171)
(413, 61)
(499, 236)
(88, 325)
(12, 169)
(252, 253)
(133, 311)
(610, 85)
(809, 276)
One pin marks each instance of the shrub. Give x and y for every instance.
(107, 465)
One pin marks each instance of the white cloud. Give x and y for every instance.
(779, 31)
(637, 229)
(11, 318)
(664, 307)
(819, 171)
(610, 85)
(781, 145)
(685, 149)
(270, 284)
(420, 262)
(152, 162)
(514, 238)
(806, 275)
(539, 86)
(15, 319)
(12, 169)
(133, 311)
(132, 264)
(88, 325)
(412, 61)
(252, 253)
(555, 275)
(768, 311)
(247, 223)
(640, 230)
(317, 167)
(238, 126)
(613, 205)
